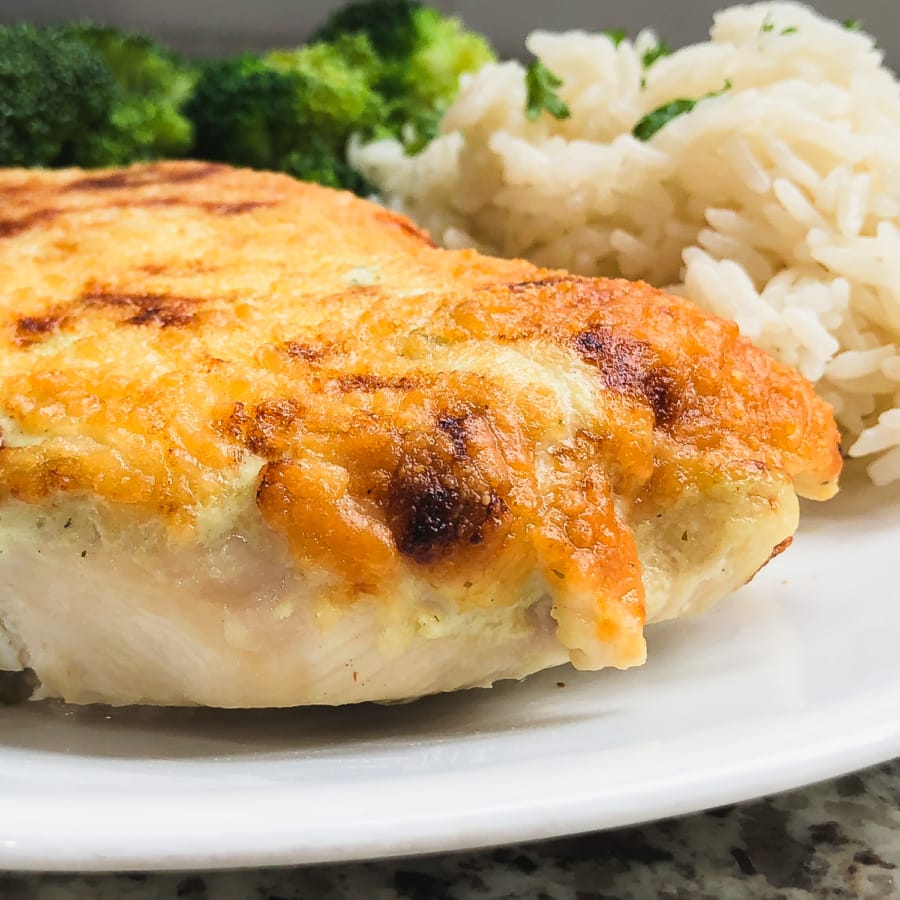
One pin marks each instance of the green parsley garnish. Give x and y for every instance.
(541, 84)
(616, 35)
(852, 24)
(662, 115)
(654, 53)
(768, 26)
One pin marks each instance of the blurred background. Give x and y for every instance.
(212, 26)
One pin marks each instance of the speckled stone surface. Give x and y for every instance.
(835, 840)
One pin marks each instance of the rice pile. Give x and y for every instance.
(776, 204)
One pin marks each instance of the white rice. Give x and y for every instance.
(776, 204)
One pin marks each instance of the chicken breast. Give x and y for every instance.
(263, 444)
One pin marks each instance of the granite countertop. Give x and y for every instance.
(840, 839)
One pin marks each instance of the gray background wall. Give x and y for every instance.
(207, 26)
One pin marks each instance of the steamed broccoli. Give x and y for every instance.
(378, 68)
(422, 55)
(292, 110)
(88, 96)
(390, 25)
(242, 111)
(430, 75)
(94, 96)
(423, 52)
(145, 121)
(336, 85)
(53, 90)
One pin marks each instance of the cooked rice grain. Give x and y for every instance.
(776, 204)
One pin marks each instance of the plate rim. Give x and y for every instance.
(278, 842)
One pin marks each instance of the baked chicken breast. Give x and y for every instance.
(263, 444)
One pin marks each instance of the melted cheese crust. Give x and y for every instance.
(194, 344)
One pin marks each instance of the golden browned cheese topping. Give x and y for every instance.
(406, 407)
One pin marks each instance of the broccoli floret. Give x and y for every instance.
(422, 54)
(290, 111)
(146, 120)
(242, 111)
(53, 90)
(336, 94)
(390, 25)
(445, 50)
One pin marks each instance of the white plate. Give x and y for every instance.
(795, 679)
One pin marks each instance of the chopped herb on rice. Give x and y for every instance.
(616, 35)
(542, 97)
(662, 115)
(658, 51)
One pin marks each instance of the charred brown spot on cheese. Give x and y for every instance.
(214, 208)
(12, 227)
(164, 310)
(367, 382)
(273, 422)
(307, 352)
(455, 429)
(32, 329)
(438, 502)
(271, 490)
(435, 509)
(427, 514)
(188, 174)
(394, 220)
(235, 424)
(235, 209)
(115, 181)
(622, 360)
(521, 286)
(141, 177)
(663, 392)
(266, 429)
(135, 203)
(165, 316)
(630, 367)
